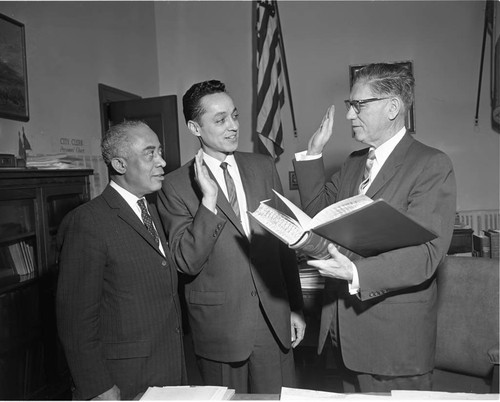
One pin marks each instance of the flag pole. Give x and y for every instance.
(476, 117)
(285, 68)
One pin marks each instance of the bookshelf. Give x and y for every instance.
(32, 205)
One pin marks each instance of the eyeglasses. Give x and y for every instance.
(357, 103)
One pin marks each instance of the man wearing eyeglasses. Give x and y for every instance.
(380, 312)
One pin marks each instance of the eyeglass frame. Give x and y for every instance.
(356, 103)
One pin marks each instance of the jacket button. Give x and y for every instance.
(219, 226)
(164, 263)
(254, 293)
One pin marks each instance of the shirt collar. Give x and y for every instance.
(384, 150)
(214, 163)
(130, 198)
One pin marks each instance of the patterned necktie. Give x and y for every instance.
(368, 169)
(231, 189)
(148, 221)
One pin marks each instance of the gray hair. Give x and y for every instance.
(116, 142)
(389, 79)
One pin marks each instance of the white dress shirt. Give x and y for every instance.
(214, 166)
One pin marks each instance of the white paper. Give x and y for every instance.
(433, 395)
(183, 393)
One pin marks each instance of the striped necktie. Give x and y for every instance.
(231, 189)
(148, 221)
(368, 168)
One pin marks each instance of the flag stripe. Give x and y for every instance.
(269, 61)
(270, 88)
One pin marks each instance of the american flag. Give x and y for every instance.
(270, 79)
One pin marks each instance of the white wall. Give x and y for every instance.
(204, 40)
(161, 48)
(71, 47)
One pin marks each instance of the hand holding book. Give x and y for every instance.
(338, 266)
(358, 224)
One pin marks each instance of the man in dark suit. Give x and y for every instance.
(381, 311)
(118, 310)
(243, 293)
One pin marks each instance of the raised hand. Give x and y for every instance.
(319, 139)
(207, 186)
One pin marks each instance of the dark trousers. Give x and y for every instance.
(267, 369)
(353, 381)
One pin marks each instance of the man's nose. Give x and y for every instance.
(233, 124)
(351, 114)
(161, 161)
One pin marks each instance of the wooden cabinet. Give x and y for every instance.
(32, 205)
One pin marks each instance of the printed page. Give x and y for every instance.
(282, 226)
(303, 219)
(340, 208)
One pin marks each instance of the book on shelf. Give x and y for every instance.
(359, 224)
(486, 244)
(19, 257)
(480, 245)
(494, 237)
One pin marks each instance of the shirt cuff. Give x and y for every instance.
(354, 285)
(302, 156)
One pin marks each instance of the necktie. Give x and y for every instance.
(231, 189)
(148, 221)
(368, 169)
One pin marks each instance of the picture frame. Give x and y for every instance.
(410, 115)
(292, 180)
(14, 76)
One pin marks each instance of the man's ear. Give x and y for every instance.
(119, 165)
(395, 107)
(194, 127)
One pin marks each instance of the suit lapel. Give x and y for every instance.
(124, 212)
(249, 179)
(391, 166)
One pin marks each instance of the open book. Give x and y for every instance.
(358, 224)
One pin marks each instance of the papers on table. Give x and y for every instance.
(428, 395)
(188, 392)
(296, 394)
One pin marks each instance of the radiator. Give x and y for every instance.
(480, 219)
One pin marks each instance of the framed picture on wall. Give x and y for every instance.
(13, 74)
(410, 115)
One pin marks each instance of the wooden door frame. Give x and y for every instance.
(109, 94)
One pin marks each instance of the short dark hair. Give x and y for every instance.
(389, 79)
(116, 141)
(191, 101)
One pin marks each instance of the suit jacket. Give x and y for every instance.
(389, 328)
(118, 309)
(229, 273)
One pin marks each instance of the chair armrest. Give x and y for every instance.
(493, 354)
